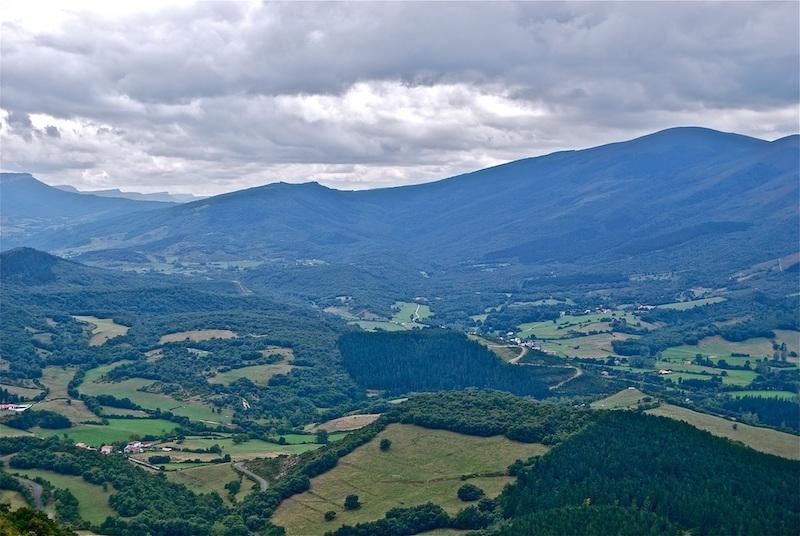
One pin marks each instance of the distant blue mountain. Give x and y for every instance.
(677, 198)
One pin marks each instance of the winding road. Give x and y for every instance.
(35, 489)
(239, 466)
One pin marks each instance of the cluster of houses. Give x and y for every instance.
(133, 447)
(105, 449)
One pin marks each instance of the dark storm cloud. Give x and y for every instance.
(220, 95)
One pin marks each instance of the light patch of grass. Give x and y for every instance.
(197, 335)
(255, 448)
(103, 329)
(92, 500)
(589, 346)
(625, 399)
(347, 423)
(422, 465)
(7, 431)
(25, 392)
(407, 312)
(258, 374)
(505, 352)
(14, 499)
(116, 430)
(209, 478)
(762, 439)
(376, 325)
(569, 325)
(691, 304)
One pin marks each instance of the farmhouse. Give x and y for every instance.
(134, 447)
(664, 372)
(106, 449)
(17, 408)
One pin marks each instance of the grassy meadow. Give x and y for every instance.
(116, 430)
(103, 329)
(197, 335)
(421, 465)
(92, 500)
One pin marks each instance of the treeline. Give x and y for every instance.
(437, 360)
(490, 413)
(700, 483)
(770, 411)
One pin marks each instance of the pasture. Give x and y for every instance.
(103, 329)
(255, 448)
(589, 346)
(345, 424)
(408, 313)
(92, 500)
(7, 431)
(132, 389)
(197, 335)
(691, 304)
(421, 465)
(24, 392)
(258, 374)
(505, 352)
(625, 399)
(56, 379)
(116, 430)
(377, 325)
(573, 325)
(762, 439)
(209, 478)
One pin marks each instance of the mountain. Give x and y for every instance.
(29, 206)
(165, 197)
(684, 198)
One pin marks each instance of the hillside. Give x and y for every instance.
(29, 206)
(652, 203)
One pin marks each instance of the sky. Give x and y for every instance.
(210, 97)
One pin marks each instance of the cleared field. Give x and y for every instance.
(103, 329)
(14, 499)
(406, 312)
(350, 422)
(258, 374)
(762, 439)
(503, 351)
(375, 325)
(25, 392)
(255, 448)
(589, 346)
(625, 399)
(208, 478)
(684, 305)
(7, 431)
(116, 430)
(56, 380)
(109, 411)
(300, 439)
(197, 335)
(568, 325)
(131, 388)
(421, 465)
(783, 395)
(93, 501)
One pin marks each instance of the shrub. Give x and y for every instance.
(470, 492)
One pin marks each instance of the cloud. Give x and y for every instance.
(214, 96)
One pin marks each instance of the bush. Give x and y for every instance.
(351, 502)
(470, 492)
(330, 515)
(385, 444)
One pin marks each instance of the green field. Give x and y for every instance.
(588, 346)
(255, 448)
(208, 478)
(625, 399)
(421, 465)
(504, 351)
(197, 335)
(783, 395)
(258, 374)
(93, 501)
(571, 325)
(375, 325)
(24, 392)
(684, 305)
(763, 439)
(299, 439)
(56, 380)
(716, 348)
(406, 312)
(116, 430)
(103, 329)
(7, 431)
(193, 409)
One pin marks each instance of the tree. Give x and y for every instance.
(351, 502)
(470, 492)
(330, 515)
(233, 487)
(322, 437)
(385, 444)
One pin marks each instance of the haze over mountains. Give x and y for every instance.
(645, 204)
(136, 196)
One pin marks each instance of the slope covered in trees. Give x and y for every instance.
(437, 360)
